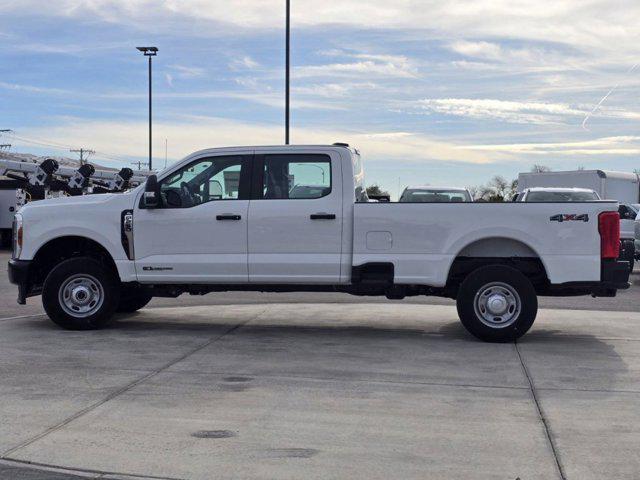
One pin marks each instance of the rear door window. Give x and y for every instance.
(293, 176)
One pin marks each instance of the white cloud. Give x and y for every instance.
(334, 90)
(507, 111)
(182, 71)
(518, 112)
(619, 145)
(244, 63)
(361, 64)
(34, 89)
(190, 133)
(585, 25)
(358, 69)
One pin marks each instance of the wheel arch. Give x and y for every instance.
(498, 250)
(63, 247)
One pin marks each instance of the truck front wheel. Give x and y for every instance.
(497, 303)
(81, 294)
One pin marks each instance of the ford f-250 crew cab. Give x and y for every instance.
(297, 218)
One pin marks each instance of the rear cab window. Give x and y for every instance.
(423, 195)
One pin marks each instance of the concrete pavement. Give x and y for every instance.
(323, 391)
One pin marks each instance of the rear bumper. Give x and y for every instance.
(19, 275)
(614, 276)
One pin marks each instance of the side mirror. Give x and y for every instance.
(151, 198)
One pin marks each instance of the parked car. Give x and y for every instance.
(542, 194)
(637, 235)
(435, 195)
(628, 214)
(90, 256)
(621, 186)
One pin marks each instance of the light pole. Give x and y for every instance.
(287, 73)
(149, 52)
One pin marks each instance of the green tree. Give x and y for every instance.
(375, 190)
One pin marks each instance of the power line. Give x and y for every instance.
(82, 151)
(60, 146)
(139, 163)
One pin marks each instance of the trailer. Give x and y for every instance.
(23, 181)
(621, 186)
(8, 208)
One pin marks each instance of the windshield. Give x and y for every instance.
(561, 197)
(422, 195)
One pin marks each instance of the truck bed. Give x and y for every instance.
(423, 239)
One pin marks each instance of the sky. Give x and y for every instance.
(431, 92)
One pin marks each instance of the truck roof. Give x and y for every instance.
(558, 189)
(438, 188)
(600, 173)
(274, 147)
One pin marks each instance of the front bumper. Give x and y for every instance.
(19, 275)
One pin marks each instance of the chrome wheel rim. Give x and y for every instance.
(81, 295)
(497, 305)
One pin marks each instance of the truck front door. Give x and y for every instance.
(295, 218)
(199, 232)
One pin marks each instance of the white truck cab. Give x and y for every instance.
(296, 218)
(434, 194)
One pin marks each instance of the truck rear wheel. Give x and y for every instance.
(497, 303)
(81, 294)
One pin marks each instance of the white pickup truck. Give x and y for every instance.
(297, 218)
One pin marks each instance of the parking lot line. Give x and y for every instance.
(22, 316)
(543, 418)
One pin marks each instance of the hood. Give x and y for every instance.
(81, 201)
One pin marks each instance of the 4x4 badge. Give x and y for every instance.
(570, 218)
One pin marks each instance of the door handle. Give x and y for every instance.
(228, 217)
(323, 216)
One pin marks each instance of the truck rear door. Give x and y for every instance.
(295, 218)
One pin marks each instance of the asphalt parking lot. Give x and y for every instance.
(317, 386)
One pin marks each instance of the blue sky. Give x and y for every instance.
(431, 92)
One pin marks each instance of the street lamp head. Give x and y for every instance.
(148, 51)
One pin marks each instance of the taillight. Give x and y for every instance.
(609, 228)
(17, 235)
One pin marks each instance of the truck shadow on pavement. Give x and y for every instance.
(554, 358)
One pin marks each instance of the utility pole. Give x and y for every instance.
(82, 151)
(139, 163)
(287, 73)
(149, 52)
(5, 146)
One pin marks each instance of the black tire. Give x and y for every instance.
(497, 282)
(5, 238)
(132, 299)
(103, 295)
